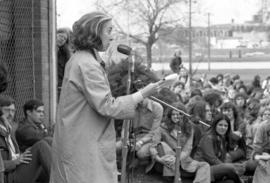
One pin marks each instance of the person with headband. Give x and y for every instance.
(84, 144)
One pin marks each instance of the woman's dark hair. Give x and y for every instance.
(217, 119)
(198, 110)
(212, 98)
(216, 136)
(185, 125)
(230, 105)
(87, 31)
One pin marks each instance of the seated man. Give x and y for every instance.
(20, 167)
(32, 129)
(147, 119)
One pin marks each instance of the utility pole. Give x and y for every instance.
(209, 41)
(190, 43)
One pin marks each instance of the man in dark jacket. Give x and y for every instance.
(32, 129)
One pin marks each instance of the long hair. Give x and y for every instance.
(185, 125)
(216, 137)
(197, 110)
(65, 49)
(87, 31)
(230, 105)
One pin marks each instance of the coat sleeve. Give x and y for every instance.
(9, 165)
(98, 93)
(207, 148)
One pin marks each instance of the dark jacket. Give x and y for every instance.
(28, 133)
(9, 164)
(215, 152)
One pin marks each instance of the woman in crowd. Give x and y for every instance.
(165, 144)
(238, 145)
(64, 51)
(200, 110)
(214, 99)
(230, 110)
(240, 101)
(214, 148)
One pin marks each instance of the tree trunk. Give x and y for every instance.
(149, 56)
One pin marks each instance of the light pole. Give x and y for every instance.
(209, 41)
(190, 43)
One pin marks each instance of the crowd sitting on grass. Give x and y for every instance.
(235, 146)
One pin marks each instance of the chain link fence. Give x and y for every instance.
(21, 48)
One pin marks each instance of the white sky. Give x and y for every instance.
(222, 11)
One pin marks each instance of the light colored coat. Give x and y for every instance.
(84, 146)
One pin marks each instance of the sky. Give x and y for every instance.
(222, 11)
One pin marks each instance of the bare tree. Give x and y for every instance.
(146, 18)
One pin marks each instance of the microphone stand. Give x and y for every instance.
(177, 178)
(126, 124)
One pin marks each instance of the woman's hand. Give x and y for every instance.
(25, 157)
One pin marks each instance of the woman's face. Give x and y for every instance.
(208, 113)
(240, 101)
(175, 116)
(228, 112)
(266, 115)
(61, 38)
(178, 89)
(222, 127)
(106, 35)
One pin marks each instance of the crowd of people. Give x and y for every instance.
(234, 146)
(224, 138)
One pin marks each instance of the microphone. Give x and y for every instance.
(124, 49)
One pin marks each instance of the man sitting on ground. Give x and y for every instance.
(32, 129)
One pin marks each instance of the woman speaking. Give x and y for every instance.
(84, 140)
